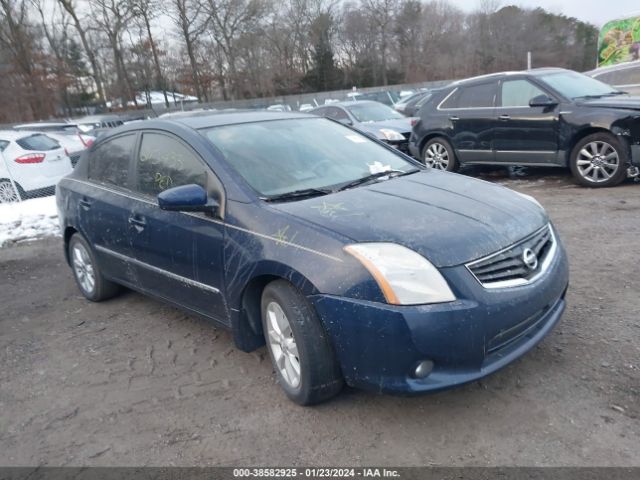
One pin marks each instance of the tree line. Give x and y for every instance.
(58, 56)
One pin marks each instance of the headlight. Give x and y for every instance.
(404, 276)
(530, 198)
(389, 134)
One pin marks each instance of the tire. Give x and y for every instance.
(304, 342)
(438, 153)
(85, 268)
(8, 194)
(598, 161)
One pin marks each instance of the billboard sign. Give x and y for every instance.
(619, 41)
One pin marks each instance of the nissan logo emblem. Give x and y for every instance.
(530, 259)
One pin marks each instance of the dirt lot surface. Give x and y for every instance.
(135, 382)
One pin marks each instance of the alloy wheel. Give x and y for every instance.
(83, 268)
(597, 161)
(437, 156)
(8, 194)
(283, 345)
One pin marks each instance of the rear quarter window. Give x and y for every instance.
(109, 161)
(38, 142)
(3, 145)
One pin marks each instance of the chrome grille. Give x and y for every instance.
(507, 268)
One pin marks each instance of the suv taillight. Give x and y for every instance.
(31, 158)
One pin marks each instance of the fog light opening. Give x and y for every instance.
(423, 369)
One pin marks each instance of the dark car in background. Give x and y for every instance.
(541, 117)
(373, 118)
(624, 76)
(410, 106)
(351, 261)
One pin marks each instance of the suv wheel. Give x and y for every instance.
(599, 160)
(438, 154)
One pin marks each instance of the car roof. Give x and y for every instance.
(613, 68)
(497, 75)
(45, 124)
(349, 103)
(17, 134)
(212, 119)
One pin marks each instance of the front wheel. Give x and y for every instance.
(298, 345)
(439, 154)
(599, 160)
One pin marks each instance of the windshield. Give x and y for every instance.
(576, 85)
(283, 156)
(373, 112)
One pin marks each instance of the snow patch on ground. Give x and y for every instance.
(28, 220)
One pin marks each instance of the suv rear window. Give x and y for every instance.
(38, 142)
(473, 96)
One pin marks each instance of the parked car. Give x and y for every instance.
(386, 97)
(305, 107)
(68, 135)
(375, 119)
(280, 107)
(401, 104)
(547, 116)
(351, 261)
(413, 107)
(98, 124)
(31, 161)
(624, 76)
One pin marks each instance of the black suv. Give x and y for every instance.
(541, 117)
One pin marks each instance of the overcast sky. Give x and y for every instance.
(597, 12)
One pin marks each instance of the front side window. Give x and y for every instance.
(109, 161)
(283, 156)
(518, 93)
(165, 162)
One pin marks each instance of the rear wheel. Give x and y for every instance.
(439, 154)
(298, 345)
(8, 194)
(88, 276)
(599, 160)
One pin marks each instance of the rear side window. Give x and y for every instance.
(518, 93)
(109, 161)
(165, 162)
(38, 142)
(474, 96)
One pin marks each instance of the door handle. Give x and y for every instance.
(138, 223)
(85, 204)
(454, 119)
(504, 117)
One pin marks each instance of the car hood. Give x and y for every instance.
(402, 125)
(448, 218)
(623, 102)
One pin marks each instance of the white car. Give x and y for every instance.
(68, 135)
(31, 161)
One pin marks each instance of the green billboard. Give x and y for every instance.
(619, 41)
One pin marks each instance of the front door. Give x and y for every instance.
(523, 134)
(178, 256)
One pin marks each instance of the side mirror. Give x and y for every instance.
(542, 101)
(346, 121)
(187, 198)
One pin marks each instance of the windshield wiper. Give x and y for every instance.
(610, 94)
(298, 194)
(375, 176)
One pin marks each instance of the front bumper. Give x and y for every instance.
(379, 345)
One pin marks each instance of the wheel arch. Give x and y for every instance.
(585, 132)
(246, 320)
(66, 235)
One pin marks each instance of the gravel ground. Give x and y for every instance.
(135, 382)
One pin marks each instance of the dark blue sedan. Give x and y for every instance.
(351, 261)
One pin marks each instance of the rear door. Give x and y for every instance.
(178, 255)
(470, 110)
(104, 203)
(524, 134)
